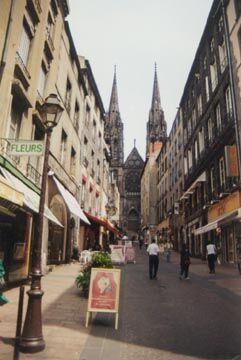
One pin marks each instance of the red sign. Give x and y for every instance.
(231, 159)
(104, 290)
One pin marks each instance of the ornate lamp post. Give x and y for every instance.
(32, 340)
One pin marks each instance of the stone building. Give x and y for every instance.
(211, 139)
(38, 57)
(132, 170)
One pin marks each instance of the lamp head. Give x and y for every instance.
(51, 111)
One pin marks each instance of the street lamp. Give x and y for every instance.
(32, 340)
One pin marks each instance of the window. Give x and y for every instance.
(68, 95)
(214, 75)
(196, 150)
(207, 88)
(189, 159)
(87, 115)
(42, 80)
(76, 115)
(228, 101)
(212, 45)
(94, 131)
(189, 126)
(210, 129)
(222, 56)
(99, 141)
(220, 24)
(218, 117)
(25, 41)
(221, 172)
(73, 162)
(194, 118)
(63, 147)
(15, 124)
(199, 105)
(85, 151)
(212, 183)
(205, 63)
(201, 139)
(237, 8)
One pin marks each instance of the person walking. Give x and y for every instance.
(185, 262)
(153, 251)
(211, 255)
(168, 248)
(140, 241)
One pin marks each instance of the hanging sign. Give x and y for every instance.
(26, 147)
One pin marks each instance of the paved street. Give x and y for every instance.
(164, 319)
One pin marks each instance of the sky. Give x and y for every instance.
(134, 35)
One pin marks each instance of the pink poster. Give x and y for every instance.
(104, 290)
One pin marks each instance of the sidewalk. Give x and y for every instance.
(64, 313)
(63, 317)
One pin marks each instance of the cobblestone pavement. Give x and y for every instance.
(166, 319)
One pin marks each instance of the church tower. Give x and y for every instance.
(156, 125)
(114, 129)
(115, 139)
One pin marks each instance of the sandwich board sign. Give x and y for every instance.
(104, 292)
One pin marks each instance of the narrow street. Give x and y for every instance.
(164, 319)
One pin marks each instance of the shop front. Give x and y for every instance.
(67, 210)
(18, 222)
(223, 226)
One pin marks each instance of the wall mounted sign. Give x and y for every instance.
(26, 148)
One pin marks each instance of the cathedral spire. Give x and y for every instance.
(156, 125)
(156, 100)
(114, 105)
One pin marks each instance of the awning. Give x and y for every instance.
(220, 221)
(8, 192)
(103, 222)
(71, 202)
(31, 198)
(191, 189)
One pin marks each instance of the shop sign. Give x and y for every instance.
(117, 254)
(26, 148)
(231, 160)
(130, 255)
(226, 205)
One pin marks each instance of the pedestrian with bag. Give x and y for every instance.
(153, 251)
(185, 262)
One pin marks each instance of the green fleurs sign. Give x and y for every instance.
(26, 148)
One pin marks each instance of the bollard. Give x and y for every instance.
(19, 322)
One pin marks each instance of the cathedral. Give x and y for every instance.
(128, 173)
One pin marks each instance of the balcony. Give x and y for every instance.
(20, 72)
(33, 175)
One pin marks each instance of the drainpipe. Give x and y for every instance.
(232, 85)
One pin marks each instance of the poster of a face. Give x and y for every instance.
(104, 290)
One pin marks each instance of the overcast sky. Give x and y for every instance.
(134, 34)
